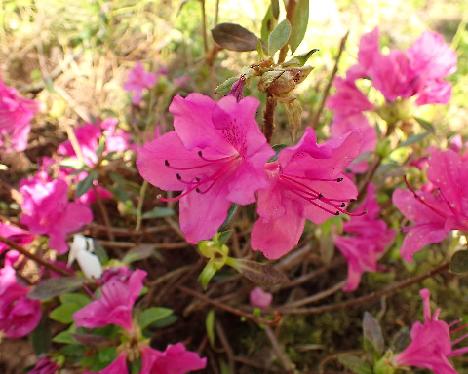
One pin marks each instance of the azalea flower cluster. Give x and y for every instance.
(416, 76)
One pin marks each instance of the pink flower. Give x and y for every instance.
(15, 114)
(139, 80)
(392, 76)
(430, 345)
(174, 360)
(16, 235)
(307, 182)
(19, 315)
(260, 299)
(45, 366)
(368, 236)
(115, 304)
(437, 211)
(88, 136)
(215, 156)
(432, 57)
(45, 210)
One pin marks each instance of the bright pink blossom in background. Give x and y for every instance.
(306, 182)
(16, 113)
(138, 81)
(175, 360)
(260, 299)
(215, 156)
(431, 344)
(88, 135)
(115, 304)
(19, 315)
(16, 235)
(438, 210)
(45, 365)
(365, 241)
(45, 210)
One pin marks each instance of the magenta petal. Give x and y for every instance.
(174, 360)
(201, 214)
(277, 236)
(118, 366)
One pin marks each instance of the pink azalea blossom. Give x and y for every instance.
(175, 360)
(45, 210)
(45, 366)
(438, 210)
(306, 182)
(366, 240)
(16, 113)
(88, 136)
(16, 235)
(19, 315)
(431, 344)
(260, 299)
(115, 304)
(138, 81)
(215, 156)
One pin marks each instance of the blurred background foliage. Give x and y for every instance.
(75, 55)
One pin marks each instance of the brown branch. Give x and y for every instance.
(34, 257)
(371, 297)
(221, 306)
(269, 117)
(286, 362)
(326, 93)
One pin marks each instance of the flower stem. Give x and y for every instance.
(34, 257)
(269, 117)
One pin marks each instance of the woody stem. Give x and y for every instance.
(33, 256)
(269, 117)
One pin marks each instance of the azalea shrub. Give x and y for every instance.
(190, 225)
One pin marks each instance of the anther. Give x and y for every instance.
(336, 213)
(178, 176)
(320, 196)
(166, 163)
(342, 205)
(339, 179)
(197, 190)
(200, 154)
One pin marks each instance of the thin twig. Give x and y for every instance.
(141, 200)
(371, 297)
(34, 257)
(204, 31)
(224, 307)
(112, 244)
(227, 348)
(105, 215)
(314, 298)
(269, 117)
(282, 357)
(326, 92)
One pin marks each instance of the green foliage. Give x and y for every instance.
(69, 304)
(279, 37)
(152, 315)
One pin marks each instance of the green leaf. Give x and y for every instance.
(268, 24)
(151, 315)
(231, 213)
(71, 303)
(279, 37)
(158, 212)
(100, 252)
(207, 274)
(354, 363)
(41, 337)
(459, 262)
(299, 23)
(275, 8)
(234, 37)
(425, 124)
(300, 60)
(373, 333)
(50, 288)
(210, 327)
(66, 336)
(415, 138)
(138, 253)
(86, 184)
(225, 87)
